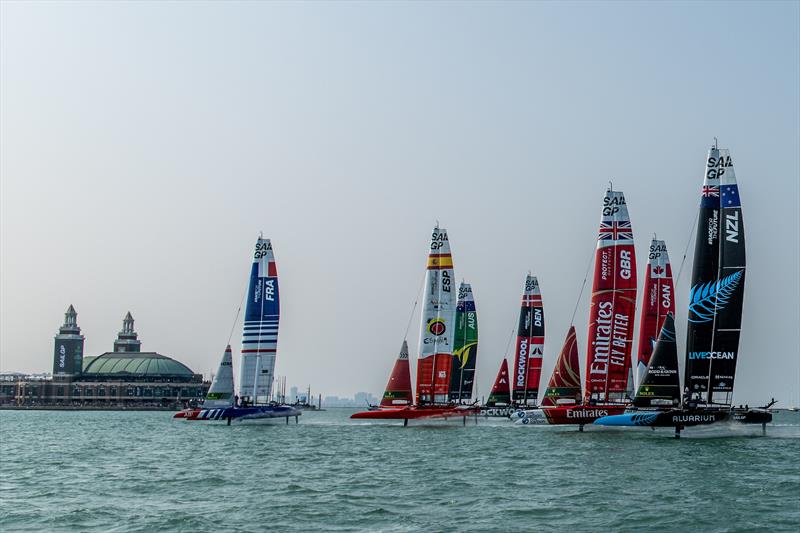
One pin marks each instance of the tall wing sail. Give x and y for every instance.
(530, 344)
(565, 382)
(398, 389)
(501, 390)
(465, 349)
(220, 394)
(716, 297)
(608, 358)
(658, 299)
(260, 336)
(660, 385)
(438, 317)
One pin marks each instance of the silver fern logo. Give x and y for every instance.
(707, 298)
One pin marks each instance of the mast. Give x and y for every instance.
(260, 330)
(465, 348)
(436, 331)
(660, 385)
(501, 390)
(565, 382)
(530, 344)
(398, 389)
(220, 394)
(717, 294)
(658, 299)
(608, 357)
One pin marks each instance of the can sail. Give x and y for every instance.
(501, 390)
(438, 315)
(565, 383)
(657, 300)
(465, 348)
(530, 344)
(398, 389)
(260, 336)
(717, 293)
(220, 394)
(660, 385)
(608, 358)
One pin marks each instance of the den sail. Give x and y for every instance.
(529, 346)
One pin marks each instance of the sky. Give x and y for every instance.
(143, 147)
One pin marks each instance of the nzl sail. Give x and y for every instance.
(716, 297)
(565, 384)
(398, 390)
(608, 358)
(436, 332)
(220, 394)
(465, 349)
(660, 385)
(530, 344)
(501, 390)
(260, 336)
(658, 299)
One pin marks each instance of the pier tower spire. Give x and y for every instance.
(68, 353)
(127, 339)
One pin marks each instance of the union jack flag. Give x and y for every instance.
(709, 191)
(612, 231)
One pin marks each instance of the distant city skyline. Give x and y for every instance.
(144, 146)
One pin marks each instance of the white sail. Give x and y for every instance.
(220, 394)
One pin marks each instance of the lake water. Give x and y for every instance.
(129, 471)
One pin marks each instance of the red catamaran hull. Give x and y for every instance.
(415, 413)
(580, 414)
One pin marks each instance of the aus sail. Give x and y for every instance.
(530, 345)
(613, 304)
(437, 328)
(465, 349)
(261, 318)
(717, 293)
(658, 299)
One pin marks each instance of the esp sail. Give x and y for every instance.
(438, 315)
(608, 359)
(465, 348)
(220, 394)
(660, 385)
(565, 382)
(260, 335)
(658, 299)
(398, 389)
(717, 293)
(530, 344)
(501, 390)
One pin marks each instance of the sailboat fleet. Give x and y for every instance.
(619, 388)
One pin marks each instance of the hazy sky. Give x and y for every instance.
(144, 146)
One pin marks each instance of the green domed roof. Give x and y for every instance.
(150, 364)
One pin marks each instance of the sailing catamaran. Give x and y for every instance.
(715, 311)
(259, 346)
(529, 346)
(435, 363)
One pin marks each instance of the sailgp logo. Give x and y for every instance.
(706, 299)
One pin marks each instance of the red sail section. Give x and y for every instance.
(530, 344)
(501, 390)
(658, 299)
(608, 358)
(565, 383)
(398, 390)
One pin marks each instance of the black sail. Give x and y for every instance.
(661, 385)
(715, 301)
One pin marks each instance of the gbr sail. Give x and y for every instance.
(717, 293)
(437, 328)
(501, 390)
(564, 387)
(611, 317)
(220, 394)
(260, 335)
(465, 349)
(658, 299)
(530, 344)
(398, 389)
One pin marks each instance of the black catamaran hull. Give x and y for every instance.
(680, 418)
